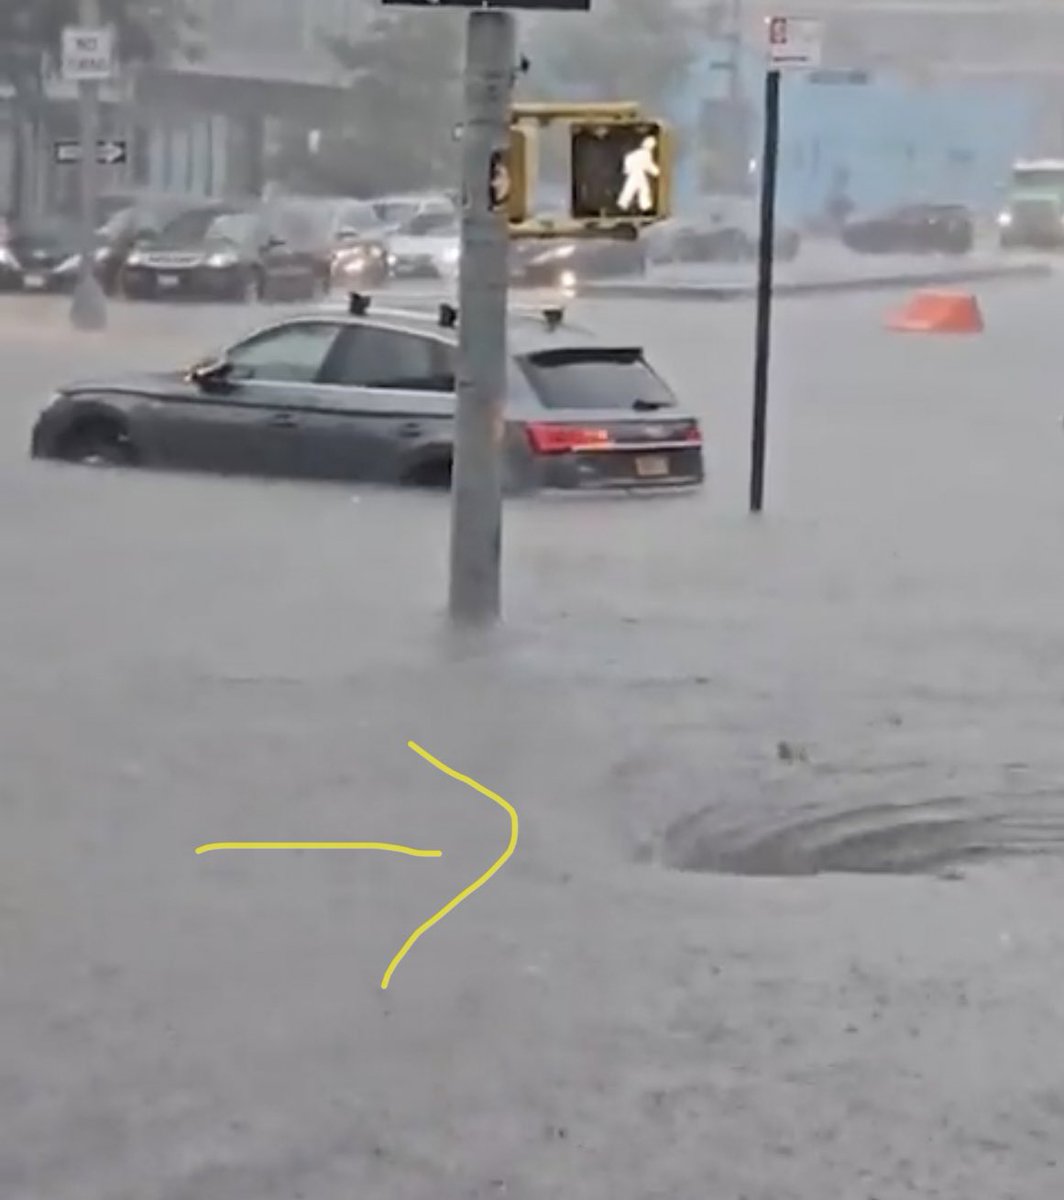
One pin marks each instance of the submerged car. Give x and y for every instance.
(723, 229)
(355, 395)
(566, 264)
(33, 255)
(223, 253)
(426, 247)
(913, 229)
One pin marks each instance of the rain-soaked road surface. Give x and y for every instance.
(869, 678)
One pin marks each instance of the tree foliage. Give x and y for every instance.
(406, 90)
(31, 32)
(625, 50)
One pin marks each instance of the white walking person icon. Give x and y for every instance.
(639, 169)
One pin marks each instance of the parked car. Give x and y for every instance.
(353, 395)
(222, 253)
(722, 229)
(117, 235)
(565, 264)
(426, 247)
(913, 229)
(33, 252)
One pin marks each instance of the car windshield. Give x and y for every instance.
(116, 224)
(596, 378)
(231, 227)
(437, 224)
(191, 227)
(1042, 178)
(395, 212)
(53, 230)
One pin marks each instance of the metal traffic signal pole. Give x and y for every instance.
(88, 309)
(476, 489)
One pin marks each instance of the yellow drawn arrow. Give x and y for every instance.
(396, 848)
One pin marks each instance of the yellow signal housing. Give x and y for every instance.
(518, 165)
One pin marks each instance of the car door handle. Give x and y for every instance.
(409, 429)
(285, 420)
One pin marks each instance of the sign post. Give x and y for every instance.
(793, 44)
(88, 60)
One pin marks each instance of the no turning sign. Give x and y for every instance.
(793, 43)
(88, 54)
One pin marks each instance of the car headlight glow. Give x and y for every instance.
(567, 280)
(103, 253)
(392, 260)
(223, 258)
(8, 259)
(135, 259)
(451, 254)
(1004, 219)
(376, 251)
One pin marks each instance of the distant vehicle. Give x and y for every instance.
(566, 264)
(913, 229)
(355, 240)
(1033, 215)
(425, 247)
(222, 253)
(396, 212)
(354, 395)
(117, 236)
(33, 252)
(47, 251)
(344, 235)
(718, 229)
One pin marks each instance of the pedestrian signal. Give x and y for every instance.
(621, 170)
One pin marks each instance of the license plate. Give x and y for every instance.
(652, 466)
(33, 281)
(169, 281)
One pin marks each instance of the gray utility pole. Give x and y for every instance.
(88, 309)
(476, 494)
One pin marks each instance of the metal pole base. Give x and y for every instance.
(88, 307)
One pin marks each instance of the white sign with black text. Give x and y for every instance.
(793, 43)
(88, 54)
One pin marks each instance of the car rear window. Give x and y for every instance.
(596, 378)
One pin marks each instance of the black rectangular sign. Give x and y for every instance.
(536, 5)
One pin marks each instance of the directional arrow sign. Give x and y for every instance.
(109, 152)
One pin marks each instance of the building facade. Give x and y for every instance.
(884, 137)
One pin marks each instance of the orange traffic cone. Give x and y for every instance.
(938, 312)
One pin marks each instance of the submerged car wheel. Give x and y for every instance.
(97, 443)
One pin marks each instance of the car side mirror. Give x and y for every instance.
(212, 374)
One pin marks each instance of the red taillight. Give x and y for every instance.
(693, 434)
(560, 439)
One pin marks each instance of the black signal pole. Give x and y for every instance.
(766, 248)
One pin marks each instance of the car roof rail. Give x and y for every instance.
(358, 304)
